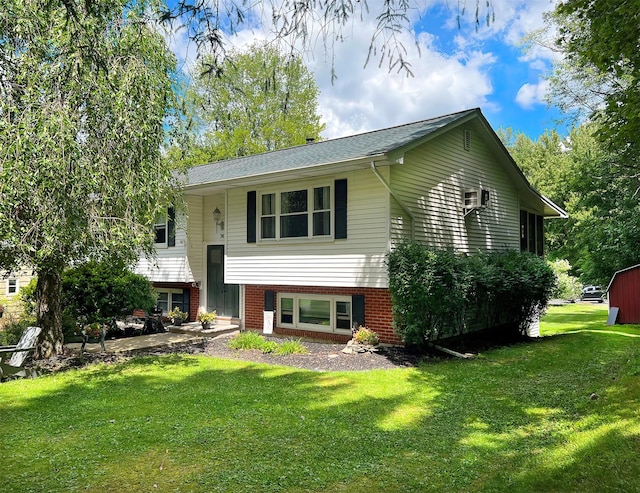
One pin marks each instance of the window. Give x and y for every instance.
(170, 298)
(302, 213)
(294, 217)
(165, 228)
(531, 233)
(268, 217)
(12, 286)
(281, 214)
(315, 312)
(163, 302)
(321, 211)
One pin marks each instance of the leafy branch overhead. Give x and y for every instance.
(600, 72)
(301, 24)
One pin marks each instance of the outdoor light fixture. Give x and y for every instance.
(216, 217)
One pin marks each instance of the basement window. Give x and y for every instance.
(315, 312)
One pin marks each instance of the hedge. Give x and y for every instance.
(438, 294)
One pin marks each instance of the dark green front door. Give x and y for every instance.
(224, 298)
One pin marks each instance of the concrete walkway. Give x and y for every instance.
(186, 334)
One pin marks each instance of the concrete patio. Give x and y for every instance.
(185, 334)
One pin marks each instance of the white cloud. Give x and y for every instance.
(363, 99)
(531, 95)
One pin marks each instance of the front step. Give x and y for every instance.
(195, 328)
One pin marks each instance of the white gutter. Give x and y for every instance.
(393, 194)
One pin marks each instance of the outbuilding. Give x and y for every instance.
(624, 295)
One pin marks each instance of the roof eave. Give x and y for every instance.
(302, 172)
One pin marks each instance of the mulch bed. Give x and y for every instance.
(320, 357)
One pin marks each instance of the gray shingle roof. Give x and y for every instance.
(324, 152)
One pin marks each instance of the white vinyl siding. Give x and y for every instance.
(170, 263)
(195, 236)
(357, 261)
(432, 181)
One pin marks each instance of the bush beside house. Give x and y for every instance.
(439, 294)
(101, 291)
(95, 292)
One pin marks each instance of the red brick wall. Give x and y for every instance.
(194, 303)
(377, 306)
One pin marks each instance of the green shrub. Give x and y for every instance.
(28, 297)
(439, 293)
(291, 347)
(269, 347)
(13, 329)
(428, 289)
(99, 290)
(247, 340)
(568, 287)
(252, 340)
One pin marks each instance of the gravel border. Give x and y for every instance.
(321, 356)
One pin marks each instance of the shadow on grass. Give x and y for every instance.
(517, 418)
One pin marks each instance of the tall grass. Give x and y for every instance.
(559, 414)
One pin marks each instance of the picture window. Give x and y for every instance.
(315, 312)
(302, 213)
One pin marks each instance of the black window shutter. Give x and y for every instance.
(251, 217)
(186, 301)
(357, 310)
(340, 200)
(269, 297)
(171, 227)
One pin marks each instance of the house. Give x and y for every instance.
(624, 295)
(296, 239)
(11, 283)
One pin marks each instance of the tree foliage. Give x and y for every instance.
(568, 287)
(86, 90)
(261, 101)
(601, 70)
(301, 24)
(585, 178)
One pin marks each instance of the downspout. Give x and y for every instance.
(393, 194)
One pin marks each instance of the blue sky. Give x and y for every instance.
(457, 68)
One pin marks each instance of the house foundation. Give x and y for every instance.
(377, 310)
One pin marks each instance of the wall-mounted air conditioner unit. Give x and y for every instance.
(474, 199)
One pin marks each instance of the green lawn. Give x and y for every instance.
(516, 419)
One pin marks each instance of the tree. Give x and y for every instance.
(598, 80)
(86, 92)
(603, 229)
(601, 69)
(263, 100)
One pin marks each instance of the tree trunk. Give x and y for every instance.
(49, 313)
